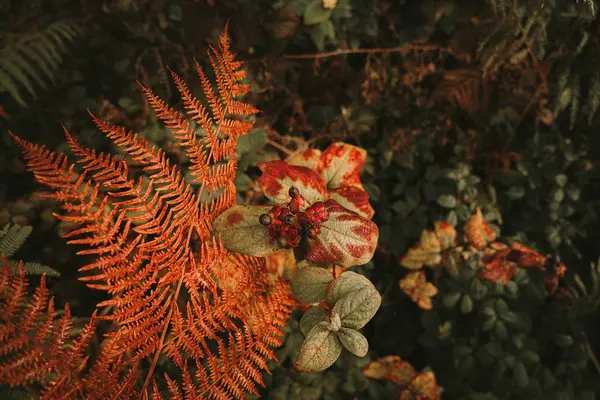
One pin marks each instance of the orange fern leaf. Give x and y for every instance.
(167, 299)
(36, 346)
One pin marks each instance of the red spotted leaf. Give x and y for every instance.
(242, 232)
(310, 158)
(477, 231)
(390, 368)
(278, 177)
(346, 238)
(342, 164)
(354, 199)
(428, 251)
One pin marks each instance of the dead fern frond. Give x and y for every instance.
(465, 88)
(167, 299)
(36, 345)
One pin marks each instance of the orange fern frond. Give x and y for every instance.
(166, 299)
(36, 345)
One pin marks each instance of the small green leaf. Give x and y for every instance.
(466, 304)
(313, 317)
(450, 299)
(309, 284)
(348, 282)
(354, 341)
(520, 377)
(319, 351)
(564, 341)
(242, 232)
(357, 308)
(447, 201)
(316, 13)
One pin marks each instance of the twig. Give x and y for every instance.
(340, 52)
(279, 147)
(591, 354)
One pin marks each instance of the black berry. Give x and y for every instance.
(289, 219)
(265, 219)
(294, 192)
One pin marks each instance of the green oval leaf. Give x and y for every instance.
(357, 308)
(447, 201)
(348, 282)
(313, 317)
(319, 351)
(354, 341)
(316, 13)
(241, 231)
(309, 285)
(346, 238)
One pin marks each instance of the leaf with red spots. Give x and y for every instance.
(278, 177)
(415, 285)
(242, 232)
(477, 231)
(390, 368)
(342, 163)
(354, 199)
(310, 158)
(428, 251)
(346, 238)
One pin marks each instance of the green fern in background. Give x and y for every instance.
(32, 61)
(12, 238)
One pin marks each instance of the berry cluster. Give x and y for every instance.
(289, 225)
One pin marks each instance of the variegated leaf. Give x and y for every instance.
(278, 177)
(310, 158)
(346, 239)
(342, 163)
(242, 232)
(354, 199)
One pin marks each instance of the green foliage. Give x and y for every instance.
(31, 61)
(12, 238)
(351, 302)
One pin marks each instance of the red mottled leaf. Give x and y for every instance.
(242, 232)
(310, 158)
(423, 387)
(498, 269)
(342, 163)
(428, 251)
(390, 368)
(278, 177)
(477, 231)
(526, 257)
(415, 285)
(346, 238)
(354, 199)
